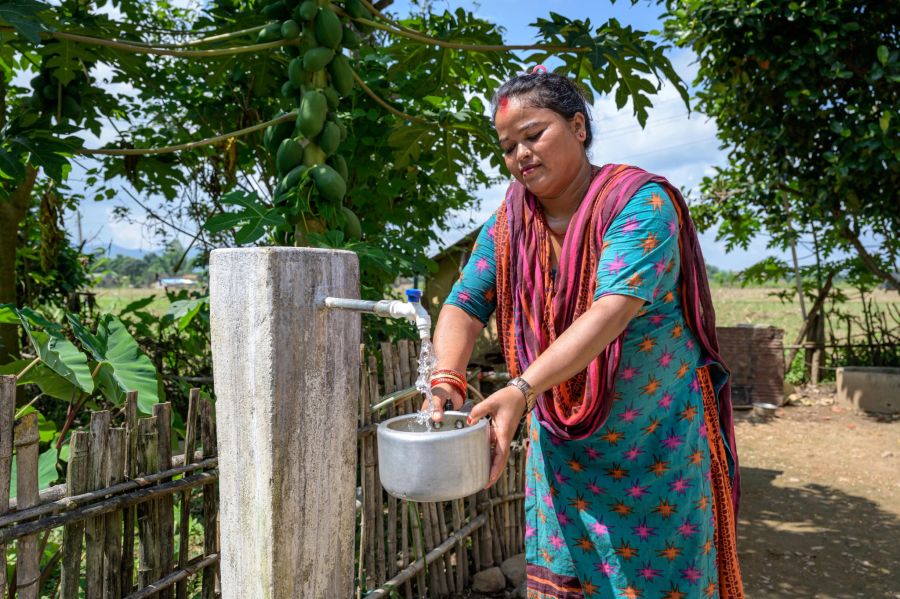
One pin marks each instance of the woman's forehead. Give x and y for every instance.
(515, 116)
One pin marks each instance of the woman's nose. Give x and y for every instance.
(523, 153)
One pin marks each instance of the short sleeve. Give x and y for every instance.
(475, 291)
(640, 247)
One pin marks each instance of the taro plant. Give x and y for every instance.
(81, 366)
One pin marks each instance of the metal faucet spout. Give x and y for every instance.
(411, 310)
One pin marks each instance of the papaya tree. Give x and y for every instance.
(318, 123)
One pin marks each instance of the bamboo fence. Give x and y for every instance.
(116, 508)
(118, 518)
(410, 549)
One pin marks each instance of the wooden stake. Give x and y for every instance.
(26, 441)
(112, 537)
(166, 505)
(95, 528)
(148, 539)
(7, 417)
(184, 519)
(210, 505)
(77, 481)
(131, 471)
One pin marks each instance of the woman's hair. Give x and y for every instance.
(547, 90)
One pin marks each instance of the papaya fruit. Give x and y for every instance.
(269, 33)
(275, 134)
(343, 129)
(313, 155)
(355, 9)
(330, 138)
(290, 30)
(289, 155)
(352, 226)
(290, 180)
(341, 74)
(38, 82)
(311, 116)
(287, 89)
(49, 92)
(329, 183)
(307, 9)
(328, 29)
(296, 74)
(316, 59)
(331, 96)
(70, 108)
(349, 38)
(338, 163)
(276, 10)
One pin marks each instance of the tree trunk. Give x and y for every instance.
(12, 212)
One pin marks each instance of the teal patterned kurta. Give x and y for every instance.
(628, 511)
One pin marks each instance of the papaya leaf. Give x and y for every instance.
(253, 219)
(23, 16)
(47, 472)
(59, 354)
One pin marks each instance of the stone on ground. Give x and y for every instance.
(491, 580)
(514, 569)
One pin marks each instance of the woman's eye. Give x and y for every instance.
(536, 136)
(509, 150)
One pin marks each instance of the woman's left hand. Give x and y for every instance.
(505, 408)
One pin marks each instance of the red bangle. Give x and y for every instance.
(457, 386)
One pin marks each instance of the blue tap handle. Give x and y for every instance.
(414, 295)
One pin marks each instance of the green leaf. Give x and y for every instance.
(47, 473)
(23, 16)
(184, 311)
(884, 121)
(129, 369)
(59, 355)
(253, 220)
(50, 383)
(883, 55)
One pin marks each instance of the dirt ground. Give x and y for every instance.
(820, 513)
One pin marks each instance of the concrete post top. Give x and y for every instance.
(279, 250)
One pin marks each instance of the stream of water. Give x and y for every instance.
(427, 362)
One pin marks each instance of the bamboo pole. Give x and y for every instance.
(460, 547)
(112, 538)
(434, 587)
(69, 503)
(129, 513)
(210, 505)
(165, 505)
(77, 481)
(476, 534)
(405, 381)
(119, 502)
(487, 542)
(7, 421)
(378, 496)
(391, 383)
(95, 528)
(362, 409)
(148, 539)
(369, 484)
(184, 520)
(418, 533)
(176, 577)
(28, 563)
(449, 581)
(432, 555)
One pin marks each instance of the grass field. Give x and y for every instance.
(734, 305)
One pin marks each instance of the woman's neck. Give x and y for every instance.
(558, 210)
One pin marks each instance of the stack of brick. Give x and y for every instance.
(755, 356)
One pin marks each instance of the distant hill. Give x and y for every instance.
(113, 250)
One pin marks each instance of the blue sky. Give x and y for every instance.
(674, 145)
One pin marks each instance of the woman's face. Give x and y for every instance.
(542, 149)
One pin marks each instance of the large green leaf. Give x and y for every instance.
(123, 366)
(59, 355)
(23, 16)
(47, 473)
(49, 382)
(253, 219)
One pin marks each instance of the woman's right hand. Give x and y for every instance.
(442, 393)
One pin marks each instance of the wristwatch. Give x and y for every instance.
(523, 386)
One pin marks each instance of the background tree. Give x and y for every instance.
(805, 98)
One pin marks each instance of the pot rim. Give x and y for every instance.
(417, 436)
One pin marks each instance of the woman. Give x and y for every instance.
(605, 321)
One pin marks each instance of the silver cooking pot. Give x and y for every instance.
(450, 462)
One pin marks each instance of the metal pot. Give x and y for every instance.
(450, 462)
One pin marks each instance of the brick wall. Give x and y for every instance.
(754, 354)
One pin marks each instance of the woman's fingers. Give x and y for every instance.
(441, 395)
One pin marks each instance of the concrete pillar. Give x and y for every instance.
(286, 382)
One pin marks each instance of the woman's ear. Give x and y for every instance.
(578, 126)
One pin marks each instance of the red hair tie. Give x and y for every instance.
(539, 69)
